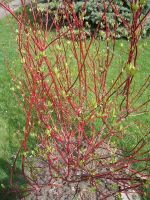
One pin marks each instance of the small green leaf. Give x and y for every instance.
(2, 185)
(130, 69)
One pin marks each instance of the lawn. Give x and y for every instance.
(12, 118)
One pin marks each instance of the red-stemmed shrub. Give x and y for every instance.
(80, 106)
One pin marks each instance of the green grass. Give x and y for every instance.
(11, 116)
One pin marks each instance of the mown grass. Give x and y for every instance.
(11, 116)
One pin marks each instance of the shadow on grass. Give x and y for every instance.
(18, 183)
